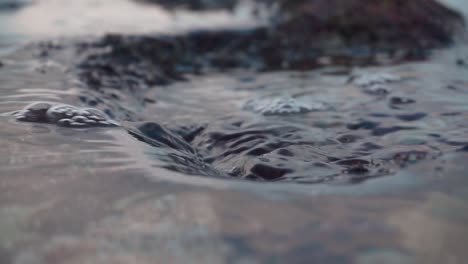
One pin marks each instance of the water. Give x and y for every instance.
(337, 165)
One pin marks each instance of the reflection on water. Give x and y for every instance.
(434, 227)
(96, 195)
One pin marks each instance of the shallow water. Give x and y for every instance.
(93, 195)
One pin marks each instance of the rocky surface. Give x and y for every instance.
(303, 35)
(422, 23)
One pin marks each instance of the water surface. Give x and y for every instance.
(94, 195)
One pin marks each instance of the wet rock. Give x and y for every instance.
(346, 32)
(406, 24)
(133, 63)
(64, 115)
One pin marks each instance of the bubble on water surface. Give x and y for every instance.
(35, 112)
(64, 115)
(375, 83)
(368, 79)
(284, 105)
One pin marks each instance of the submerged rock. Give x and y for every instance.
(64, 115)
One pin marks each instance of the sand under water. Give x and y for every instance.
(180, 148)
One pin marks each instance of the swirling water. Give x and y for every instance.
(235, 167)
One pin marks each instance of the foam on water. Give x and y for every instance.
(375, 83)
(283, 105)
(364, 79)
(64, 115)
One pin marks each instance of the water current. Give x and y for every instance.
(342, 164)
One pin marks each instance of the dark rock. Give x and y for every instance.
(423, 23)
(299, 36)
(416, 23)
